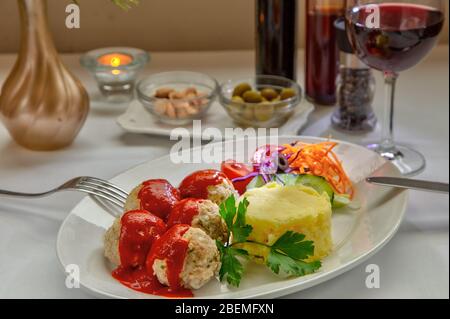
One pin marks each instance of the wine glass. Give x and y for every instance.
(393, 36)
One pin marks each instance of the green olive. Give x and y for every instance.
(277, 99)
(248, 112)
(264, 111)
(240, 89)
(237, 99)
(287, 93)
(278, 104)
(252, 97)
(269, 94)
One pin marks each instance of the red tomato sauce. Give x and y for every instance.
(184, 211)
(139, 229)
(140, 280)
(170, 247)
(158, 196)
(196, 184)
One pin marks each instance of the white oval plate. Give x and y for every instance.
(357, 232)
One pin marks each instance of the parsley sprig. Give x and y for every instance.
(234, 218)
(287, 255)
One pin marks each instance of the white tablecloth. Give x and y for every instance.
(415, 264)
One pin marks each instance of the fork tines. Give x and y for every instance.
(103, 189)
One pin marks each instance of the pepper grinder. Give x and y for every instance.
(355, 88)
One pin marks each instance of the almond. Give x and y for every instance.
(170, 111)
(163, 93)
(174, 95)
(180, 104)
(191, 91)
(191, 110)
(161, 106)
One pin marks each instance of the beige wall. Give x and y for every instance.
(155, 25)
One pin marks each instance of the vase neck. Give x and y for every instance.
(35, 31)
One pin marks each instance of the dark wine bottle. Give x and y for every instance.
(322, 52)
(276, 38)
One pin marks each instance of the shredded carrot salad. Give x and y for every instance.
(320, 160)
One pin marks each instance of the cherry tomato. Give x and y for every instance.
(233, 169)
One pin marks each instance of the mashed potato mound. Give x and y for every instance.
(274, 209)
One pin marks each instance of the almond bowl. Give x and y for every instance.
(177, 97)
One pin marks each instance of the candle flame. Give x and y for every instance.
(115, 61)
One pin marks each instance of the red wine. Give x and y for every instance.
(406, 34)
(322, 55)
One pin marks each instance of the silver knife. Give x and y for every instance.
(410, 184)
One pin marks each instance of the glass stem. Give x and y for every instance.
(387, 143)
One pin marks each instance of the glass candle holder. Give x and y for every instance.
(115, 70)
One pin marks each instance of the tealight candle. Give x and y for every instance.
(115, 59)
(115, 70)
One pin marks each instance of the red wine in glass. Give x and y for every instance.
(393, 36)
(406, 34)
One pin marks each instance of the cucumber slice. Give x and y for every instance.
(341, 200)
(287, 179)
(256, 182)
(318, 183)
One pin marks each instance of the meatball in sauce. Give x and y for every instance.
(184, 258)
(199, 213)
(157, 196)
(138, 232)
(207, 184)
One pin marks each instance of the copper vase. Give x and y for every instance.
(42, 104)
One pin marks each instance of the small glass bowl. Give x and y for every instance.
(116, 82)
(266, 114)
(177, 111)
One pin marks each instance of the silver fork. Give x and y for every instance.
(90, 185)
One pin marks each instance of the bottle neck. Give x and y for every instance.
(276, 28)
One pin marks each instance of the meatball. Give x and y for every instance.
(157, 196)
(184, 257)
(111, 242)
(199, 213)
(129, 239)
(207, 184)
